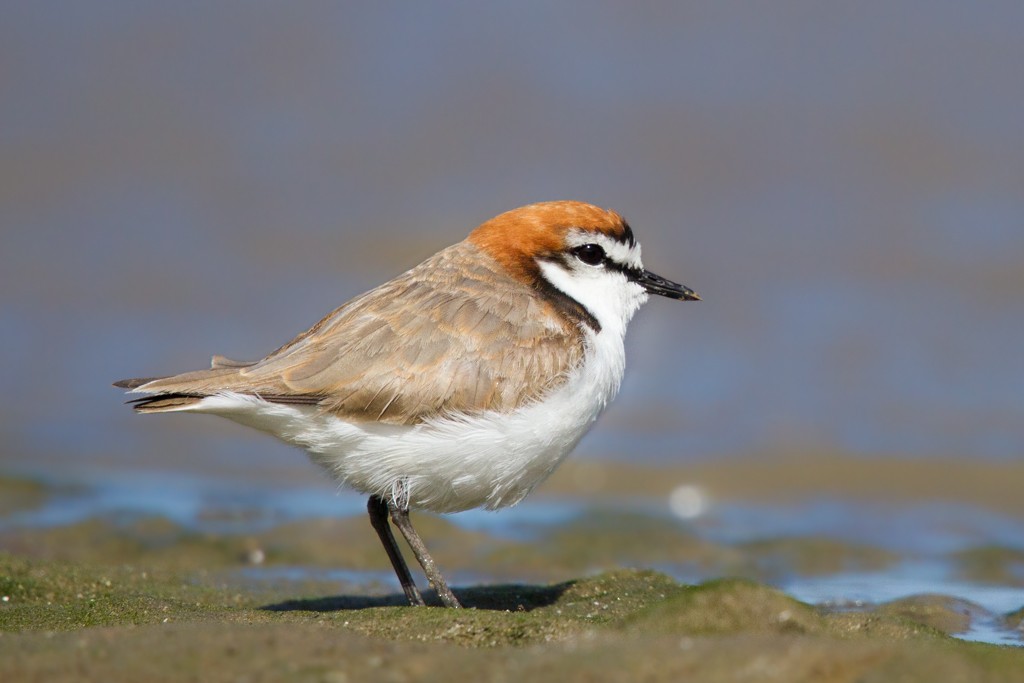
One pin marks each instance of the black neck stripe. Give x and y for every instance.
(565, 304)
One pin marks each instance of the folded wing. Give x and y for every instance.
(440, 339)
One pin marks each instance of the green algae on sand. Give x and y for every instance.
(67, 621)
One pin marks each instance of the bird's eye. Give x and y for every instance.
(591, 254)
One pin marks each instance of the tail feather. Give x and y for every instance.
(164, 403)
(218, 365)
(178, 392)
(195, 383)
(135, 382)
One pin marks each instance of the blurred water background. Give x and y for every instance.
(843, 184)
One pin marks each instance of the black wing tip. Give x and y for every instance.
(162, 402)
(144, 401)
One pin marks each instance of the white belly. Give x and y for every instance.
(489, 460)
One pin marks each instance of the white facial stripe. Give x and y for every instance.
(619, 252)
(606, 294)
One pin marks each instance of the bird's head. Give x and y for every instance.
(585, 252)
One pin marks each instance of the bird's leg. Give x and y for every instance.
(378, 510)
(400, 517)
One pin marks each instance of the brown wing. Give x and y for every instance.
(438, 339)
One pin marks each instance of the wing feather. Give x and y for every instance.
(437, 339)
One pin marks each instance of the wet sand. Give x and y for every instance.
(134, 597)
(65, 622)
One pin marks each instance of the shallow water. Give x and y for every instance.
(984, 603)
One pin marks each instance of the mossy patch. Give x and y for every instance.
(729, 606)
(59, 596)
(941, 612)
(74, 621)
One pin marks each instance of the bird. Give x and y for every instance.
(462, 383)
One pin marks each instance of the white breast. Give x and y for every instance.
(452, 463)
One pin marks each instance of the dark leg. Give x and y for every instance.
(378, 510)
(400, 516)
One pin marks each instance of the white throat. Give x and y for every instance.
(607, 295)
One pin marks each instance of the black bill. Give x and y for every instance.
(655, 284)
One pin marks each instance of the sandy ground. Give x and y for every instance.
(64, 622)
(143, 598)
